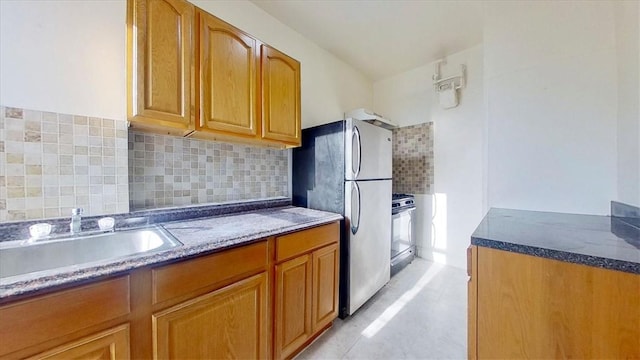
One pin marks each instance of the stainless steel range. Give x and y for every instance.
(403, 245)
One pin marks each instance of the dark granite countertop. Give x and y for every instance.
(198, 236)
(580, 239)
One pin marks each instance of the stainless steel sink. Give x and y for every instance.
(20, 257)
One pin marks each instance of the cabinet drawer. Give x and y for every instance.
(110, 344)
(301, 242)
(186, 277)
(47, 317)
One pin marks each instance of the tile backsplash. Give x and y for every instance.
(51, 163)
(413, 159)
(170, 171)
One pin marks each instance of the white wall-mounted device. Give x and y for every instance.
(447, 88)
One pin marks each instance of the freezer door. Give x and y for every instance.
(368, 211)
(367, 151)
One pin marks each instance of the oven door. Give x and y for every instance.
(402, 232)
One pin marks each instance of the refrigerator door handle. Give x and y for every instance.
(356, 139)
(355, 220)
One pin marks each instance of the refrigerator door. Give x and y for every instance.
(367, 151)
(367, 209)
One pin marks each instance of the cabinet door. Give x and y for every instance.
(280, 96)
(227, 79)
(532, 307)
(293, 305)
(107, 345)
(325, 286)
(228, 323)
(159, 64)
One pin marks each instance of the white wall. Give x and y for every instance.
(628, 64)
(329, 86)
(446, 219)
(550, 84)
(64, 56)
(69, 57)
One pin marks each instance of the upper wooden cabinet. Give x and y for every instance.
(280, 82)
(160, 65)
(228, 92)
(192, 74)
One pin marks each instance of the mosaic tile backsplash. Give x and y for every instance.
(413, 159)
(171, 171)
(51, 163)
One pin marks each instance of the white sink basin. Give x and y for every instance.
(18, 258)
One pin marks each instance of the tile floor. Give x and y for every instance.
(420, 314)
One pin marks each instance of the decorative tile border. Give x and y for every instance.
(413, 159)
(170, 171)
(51, 163)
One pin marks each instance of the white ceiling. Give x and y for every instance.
(383, 37)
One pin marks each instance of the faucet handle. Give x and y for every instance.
(40, 230)
(76, 211)
(106, 223)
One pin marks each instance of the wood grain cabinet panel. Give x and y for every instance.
(160, 65)
(293, 305)
(229, 323)
(302, 242)
(192, 74)
(532, 307)
(107, 345)
(227, 61)
(64, 313)
(197, 276)
(306, 289)
(280, 83)
(325, 286)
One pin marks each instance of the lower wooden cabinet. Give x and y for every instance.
(267, 299)
(107, 345)
(306, 296)
(68, 321)
(229, 323)
(293, 305)
(523, 306)
(325, 287)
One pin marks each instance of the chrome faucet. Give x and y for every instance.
(76, 220)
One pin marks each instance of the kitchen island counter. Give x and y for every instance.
(583, 239)
(548, 285)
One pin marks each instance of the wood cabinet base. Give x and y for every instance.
(223, 305)
(531, 307)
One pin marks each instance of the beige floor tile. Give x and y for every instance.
(420, 314)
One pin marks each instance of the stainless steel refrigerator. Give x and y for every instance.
(345, 167)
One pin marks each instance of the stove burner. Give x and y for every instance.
(401, 196)
(401, 201)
